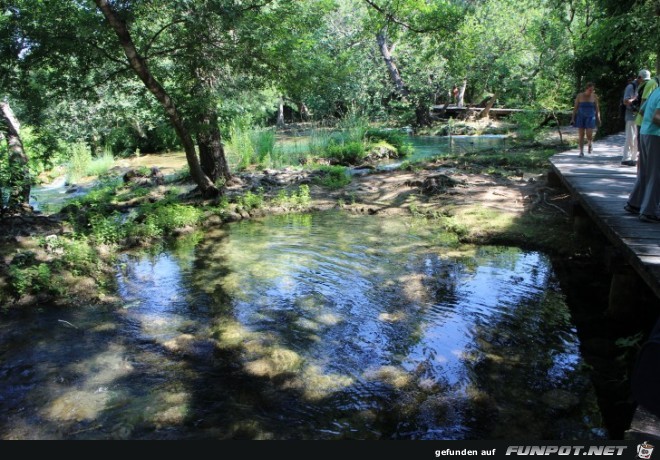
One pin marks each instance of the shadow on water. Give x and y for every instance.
(324, 326)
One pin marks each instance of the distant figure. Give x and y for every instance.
(630, 149)
(645, 196)
(454, 94)
(586, 115)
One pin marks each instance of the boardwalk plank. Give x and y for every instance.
(602, 185)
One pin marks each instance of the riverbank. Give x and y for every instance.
(483, 198)
(489, 198)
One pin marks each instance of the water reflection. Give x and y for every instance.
(320, 326)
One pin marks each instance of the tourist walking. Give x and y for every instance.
(630, 149)
(645, 196)
(586, 115)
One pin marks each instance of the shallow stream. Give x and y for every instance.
(320, 326)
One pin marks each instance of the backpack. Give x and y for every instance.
(640, 91)
(634, 105)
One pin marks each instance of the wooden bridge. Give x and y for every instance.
(470, 111)
(601, 185)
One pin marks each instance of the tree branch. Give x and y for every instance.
(394, 19)
(155, 36)
(108, 56)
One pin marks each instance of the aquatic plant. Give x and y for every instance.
(333, 176)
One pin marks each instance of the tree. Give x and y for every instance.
(210, 147)
(191, 56)
(19, 174)
(412, 27)
(621, 40)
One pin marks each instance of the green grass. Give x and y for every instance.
(263, 142)
(101, 164)
(79, 161)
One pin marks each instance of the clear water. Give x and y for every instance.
(323, 326)
(430, 146)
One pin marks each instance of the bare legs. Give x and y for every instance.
(581, 140)
(581, 132)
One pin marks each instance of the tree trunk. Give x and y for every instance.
(422, 114)
(211, 151)
(280, 114)
(461, 93)
(139, 66)
(381, 39)
(19, 172)
(489, 105)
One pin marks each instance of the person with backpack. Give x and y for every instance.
(645, 196)
(630, 149)
(645, 86)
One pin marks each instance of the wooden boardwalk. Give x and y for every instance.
(454, 110)
(601, 185)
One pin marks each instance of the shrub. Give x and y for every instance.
(527, 124)
(107, 229)
(396, 139)
(79, 255)
(301, 198)
(170, 215)
(252, 200)
(346, 153)
(34, 278)
(333, 177)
